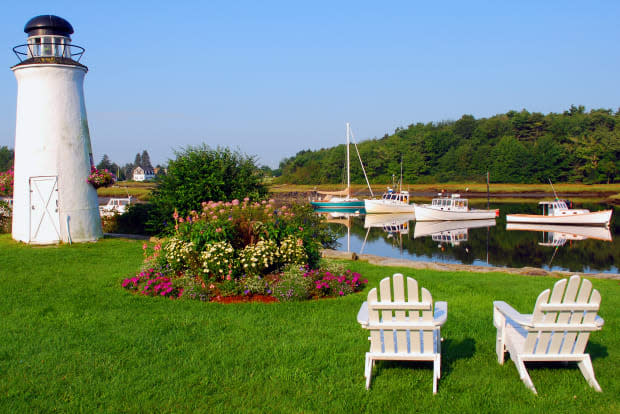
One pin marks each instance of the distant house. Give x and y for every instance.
(142, 174)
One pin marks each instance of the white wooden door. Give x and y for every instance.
(44, 217)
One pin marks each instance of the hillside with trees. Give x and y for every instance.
(515, 147)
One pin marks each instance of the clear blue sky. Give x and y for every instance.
(273, 78)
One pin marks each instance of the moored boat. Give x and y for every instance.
(115, 206)
(390, 202)
(451, 208)
(558, 212)
(340, 200)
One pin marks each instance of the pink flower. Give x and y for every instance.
(181, 219)
(144, 246)
(218, 230)
(235, 202)
(246, 199)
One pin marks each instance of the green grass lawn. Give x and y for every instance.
(73, 340)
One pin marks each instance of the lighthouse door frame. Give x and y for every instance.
(44, 220)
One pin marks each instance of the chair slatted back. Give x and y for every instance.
(563, 318)
(400, 322)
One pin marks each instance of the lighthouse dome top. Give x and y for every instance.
(48, 24)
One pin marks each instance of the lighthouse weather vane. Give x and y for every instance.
(52, 200)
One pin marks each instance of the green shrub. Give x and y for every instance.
(134, 220)
(200, 174)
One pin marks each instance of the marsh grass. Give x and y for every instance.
(73, 340)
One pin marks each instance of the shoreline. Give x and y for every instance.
(453, 267)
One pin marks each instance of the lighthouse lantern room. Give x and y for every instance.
(52, 199)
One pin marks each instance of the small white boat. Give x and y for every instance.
(451, 208)
(390, 202)
(557, 212)
(115, 206)
(565, 232)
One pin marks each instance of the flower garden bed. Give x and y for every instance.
(241, 251)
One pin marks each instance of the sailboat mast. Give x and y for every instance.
(348, 166)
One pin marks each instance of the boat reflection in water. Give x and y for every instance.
(344, 218)
(558, 234)
(449, 232)
(395, 224)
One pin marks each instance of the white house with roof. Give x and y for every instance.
(143, 174)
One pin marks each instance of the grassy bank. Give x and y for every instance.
(73, 340)
(595, 189)
(138, 190)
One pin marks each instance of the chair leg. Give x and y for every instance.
(585, 365)
(500, 346)
(436, 372)
(368, 370)
(525, 377)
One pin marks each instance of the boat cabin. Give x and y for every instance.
(400, 197)
(454, 203)
(559, 208)
(115, 205)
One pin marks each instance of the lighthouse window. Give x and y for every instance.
(47, 46)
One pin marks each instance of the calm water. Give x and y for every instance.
(486, 242)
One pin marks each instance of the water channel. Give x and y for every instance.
(484, 242)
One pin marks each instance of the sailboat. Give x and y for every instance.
(340, 200)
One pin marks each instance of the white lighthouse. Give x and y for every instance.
(52, 200)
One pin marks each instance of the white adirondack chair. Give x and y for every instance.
(402, 326)
(558, 330)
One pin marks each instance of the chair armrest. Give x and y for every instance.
(598, 321)
(510, 313)
(362, 315)
(441, 313)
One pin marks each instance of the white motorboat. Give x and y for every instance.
(558, 212)
(390, 202)
(452, 232)
(451, 208)
(565, 232)
(115, 206)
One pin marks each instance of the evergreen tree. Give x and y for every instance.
(138, 161)
(6, 158)
(105, 164)
(145, 161)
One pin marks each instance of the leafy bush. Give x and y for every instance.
(201, 173)
(6, 215)
(134, 220)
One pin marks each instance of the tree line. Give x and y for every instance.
(126, 171)
(515, 147)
